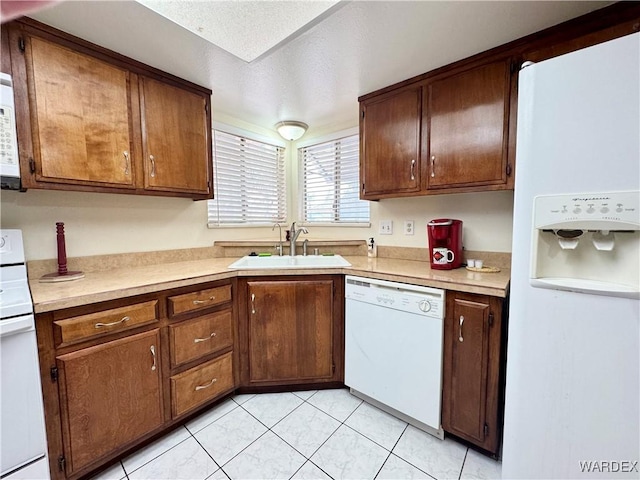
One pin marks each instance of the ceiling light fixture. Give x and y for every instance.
(291, 130)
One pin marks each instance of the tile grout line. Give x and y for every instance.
(390, 451)
(160, 454)
(464, 460)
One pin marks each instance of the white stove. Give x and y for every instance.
(23, 444)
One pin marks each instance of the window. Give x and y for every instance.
(330, 184)
(249, 182)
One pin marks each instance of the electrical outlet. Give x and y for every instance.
(386, 227)
(408, 227)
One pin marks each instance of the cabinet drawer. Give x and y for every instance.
(84, 327)
(201, 384)
(198, 337)
(199, 300)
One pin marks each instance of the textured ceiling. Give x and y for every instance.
(317, 76)
(247, 29)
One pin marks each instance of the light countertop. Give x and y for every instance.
(136, 280)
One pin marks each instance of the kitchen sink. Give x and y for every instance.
(286, 261)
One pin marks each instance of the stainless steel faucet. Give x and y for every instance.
(293, 237)
(279, 245)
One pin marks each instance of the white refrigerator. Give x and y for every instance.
(572, 402)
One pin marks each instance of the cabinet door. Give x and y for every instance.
(471, 369)
(390, 144)
(466, 139)
(110, 395)
(175, 138)
(290, 330)
(81, 121)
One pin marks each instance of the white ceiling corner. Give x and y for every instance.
(247, 29)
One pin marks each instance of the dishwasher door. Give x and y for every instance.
(394, 357)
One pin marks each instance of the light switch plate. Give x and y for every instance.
(386, 227)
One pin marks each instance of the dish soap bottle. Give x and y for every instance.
(372, 249)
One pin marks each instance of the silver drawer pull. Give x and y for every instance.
(200, 302)
(153, 166)
(460, 338)
(433, 166)
(122, 320)
(153, 354)
(253, 303)
(413, 169)
(206, 385)
(198, 340)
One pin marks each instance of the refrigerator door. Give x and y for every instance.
(572, 389)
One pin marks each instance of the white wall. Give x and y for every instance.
(97, 223)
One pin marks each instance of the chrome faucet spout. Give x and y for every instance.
(293, 237)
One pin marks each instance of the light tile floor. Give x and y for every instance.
(302, 435)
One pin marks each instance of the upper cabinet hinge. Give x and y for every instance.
(21, 44)
(62, 463)
(333, 368)
(486, 429)
(32, 165)
(54, 374)
(362, 113)
(363, 188)
(206, 108)
(508, 169)
(491, 319)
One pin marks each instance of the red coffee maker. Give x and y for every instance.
(445, 243)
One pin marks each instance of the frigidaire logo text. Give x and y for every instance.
(587, 199)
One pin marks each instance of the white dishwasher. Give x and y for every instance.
(393, 348)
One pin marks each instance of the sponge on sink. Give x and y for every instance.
(264, 254)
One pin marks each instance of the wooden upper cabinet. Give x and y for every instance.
(90, 119)
(466, 130)
(175, 138)
(81, 119)
(390, 143)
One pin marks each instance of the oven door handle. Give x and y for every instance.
(11, 326)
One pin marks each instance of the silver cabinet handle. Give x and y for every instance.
(153, 165)
(433, 166)
(122, 320)
(206, 385)
(127, 162)
(413, 169)
(200, 302)
(153, 354)
(460, 338)
(198, 340)
(253, 303)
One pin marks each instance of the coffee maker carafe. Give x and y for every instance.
(445, 243)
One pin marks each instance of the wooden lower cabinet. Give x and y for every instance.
(117, 373)
(110, 395)
(291, 330)
(473, 376)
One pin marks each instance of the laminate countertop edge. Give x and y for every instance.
(119, 283)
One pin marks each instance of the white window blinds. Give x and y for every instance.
(249, 182)
(330, 183)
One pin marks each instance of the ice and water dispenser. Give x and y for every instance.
(587, 243)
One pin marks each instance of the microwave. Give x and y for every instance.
(9, 161)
